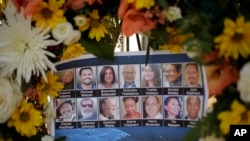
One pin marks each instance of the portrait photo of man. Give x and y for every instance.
(193, 106)
(87, 109)
(109, 109)
(172, 74)
(86, 78)
(130, 76)
(67, 77)
(192, 75)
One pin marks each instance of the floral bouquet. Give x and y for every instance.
(34, 34)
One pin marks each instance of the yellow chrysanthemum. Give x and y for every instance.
(238, 115)
(98, 30)
(175, 41)
(51, 87)
(49, 13)
(25, 119)
(234, 40)
(73, 51)
(139, 4)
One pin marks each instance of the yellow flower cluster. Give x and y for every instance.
(234, 41)
(25, 119)
(49, 88)
(175, 41)
(73, 51)
(238, 114)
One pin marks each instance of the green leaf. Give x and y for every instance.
(99, 49)
(163, 3)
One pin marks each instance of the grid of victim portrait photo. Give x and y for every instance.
(162, 91)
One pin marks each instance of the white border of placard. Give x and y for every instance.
(98, 93)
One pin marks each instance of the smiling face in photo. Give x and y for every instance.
(172, 107)
(152, 106)
(192, 75)
(87, 108)
(171, 73)
(130, 106)
(66, 110)
(86, 76)
(108, 78)
(149, 73)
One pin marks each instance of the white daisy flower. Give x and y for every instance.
(80, 20)
(23, 48)
(244, 83)
(173, 13)
(62, 31)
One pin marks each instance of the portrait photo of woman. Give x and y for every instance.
(172, 106)
(151, 76)
(131, 108)
(65, 110)
(108, 78)
(152, 107)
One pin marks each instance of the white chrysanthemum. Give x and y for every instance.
(173, 13)
(10, 98)
(62, 31)
(73, 38)
(80, 20)
(23, 48)
(244, 83)
(47, 138)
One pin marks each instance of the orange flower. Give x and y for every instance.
(219, 77)
(75, 4)
(135, 21)
(29, 5)
(124, 5)
(211, 57)
(78, 4)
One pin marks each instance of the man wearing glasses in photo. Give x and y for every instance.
(87, 110)
(109, 109)
(128, 74)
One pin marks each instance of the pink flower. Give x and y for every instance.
(29, 6)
